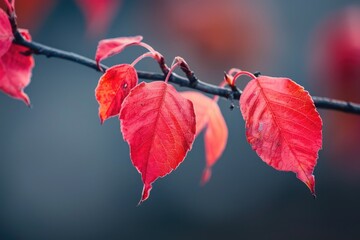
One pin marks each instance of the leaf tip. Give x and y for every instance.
(310, 183)
(314, 196)
(101, 119)
(205, 176)
(145, 193)
(26, 99)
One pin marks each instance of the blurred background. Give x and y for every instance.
(64, 176)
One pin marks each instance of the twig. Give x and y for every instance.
(40, 49)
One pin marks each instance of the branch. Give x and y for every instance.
(40, 49)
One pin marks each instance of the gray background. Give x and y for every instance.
(64, 176)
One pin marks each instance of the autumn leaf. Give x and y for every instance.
(114, 85)
(208, 115)
(6, 35)
(98, 14)
(283, 126)
(15, 70)
(159, 126)
(112, 46)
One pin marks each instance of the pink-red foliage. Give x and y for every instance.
(208, 115)
(109, 47)
(159, 126)
(114, 85)
(15, 64)
(283, 126)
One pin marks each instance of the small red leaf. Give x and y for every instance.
(98, 14)
(15, 70)
(112, 46)
(283, 126)
(159, 126)
(6, 36)
(113, 87)
(208, 114)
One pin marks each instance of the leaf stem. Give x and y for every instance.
(40, 49)
(240, 73)
(174, 65)
(147, 46)
(148, 54)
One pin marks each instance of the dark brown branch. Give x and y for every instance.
(40, 49)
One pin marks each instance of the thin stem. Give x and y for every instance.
(147, 46)
(40, 49)
(186, 69)
(148, 54)
(174, 65)
(240, 73)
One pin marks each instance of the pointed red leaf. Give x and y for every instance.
(6, 36)
(208, 114)
(98, 14)
(114, 85)
(283, 126)
(159, 126)
(112, 46)
(15, 70)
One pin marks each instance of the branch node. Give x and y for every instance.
(257, 74)
(235, 93)
(189, 73)
(164, 68)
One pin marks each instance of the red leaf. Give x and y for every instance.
(6, 35)
(15, 70)
(159, 126)
(113, 87)
(112, 46)
(283, 126)
(98, 14)
(208, 114)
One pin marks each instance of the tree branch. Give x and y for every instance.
(40, 49)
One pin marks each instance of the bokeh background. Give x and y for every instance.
(64, 176)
